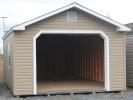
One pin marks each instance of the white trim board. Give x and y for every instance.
(106, 53)
(119, 27)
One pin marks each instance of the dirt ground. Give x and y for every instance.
(128, 95)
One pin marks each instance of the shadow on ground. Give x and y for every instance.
(128, 95)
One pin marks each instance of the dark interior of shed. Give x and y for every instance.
(70, 57)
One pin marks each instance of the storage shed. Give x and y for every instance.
(71, 49)
(129, 55)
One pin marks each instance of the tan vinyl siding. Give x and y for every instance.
(24, 49)
(8, 71)
(129, 59)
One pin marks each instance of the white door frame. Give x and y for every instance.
(106, 52)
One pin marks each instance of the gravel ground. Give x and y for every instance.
(128, 95)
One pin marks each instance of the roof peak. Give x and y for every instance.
(22, 26)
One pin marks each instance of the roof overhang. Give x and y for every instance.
(21, 27)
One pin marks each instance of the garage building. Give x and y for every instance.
(71, 49)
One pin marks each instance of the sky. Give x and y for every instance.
(18, 11)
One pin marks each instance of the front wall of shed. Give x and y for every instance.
(24, 49)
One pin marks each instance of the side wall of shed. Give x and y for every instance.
(1, 67)
(8, 57)
(129, 59)
(24, 49)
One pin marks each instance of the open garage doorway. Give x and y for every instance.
(70, 62)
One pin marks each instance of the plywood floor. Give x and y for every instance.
(69, 85)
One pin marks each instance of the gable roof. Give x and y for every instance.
(22, 26)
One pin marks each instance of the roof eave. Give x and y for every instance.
(18, 28)
(123, 29)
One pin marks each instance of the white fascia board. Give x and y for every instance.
(20, 27)
(123, 29)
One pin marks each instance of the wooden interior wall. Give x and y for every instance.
(92, 59)
(70, 56)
